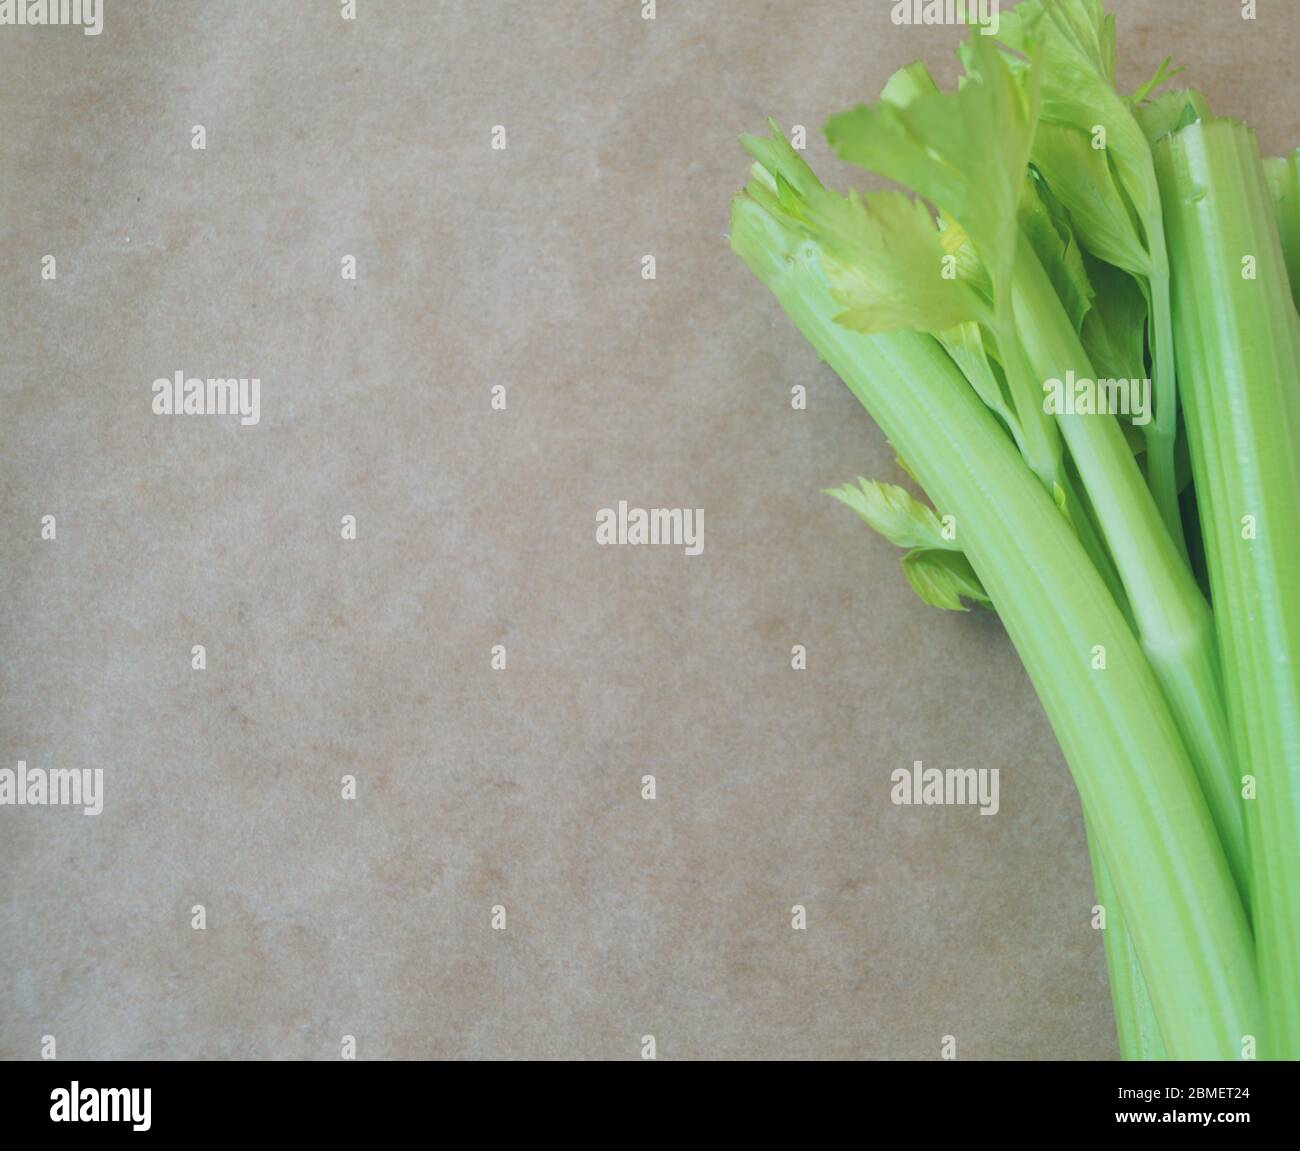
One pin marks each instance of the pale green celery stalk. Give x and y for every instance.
(1135, 1016)
(1239, 356)
(1117, 733)
(1284, 182)
(1042, 439)
(1174, 624)
(1162, 471)
(1161, 433)
(1074, 40)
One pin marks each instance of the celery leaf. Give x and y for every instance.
(943, 579)
(895, 514)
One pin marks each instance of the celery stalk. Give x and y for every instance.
(1284, 182)
(1161, 434)
(1110, 192)
(1173, 620)
(1121, 742)
(1135, 1017)
(1238, 342)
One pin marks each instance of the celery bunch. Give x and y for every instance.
(1068, 264)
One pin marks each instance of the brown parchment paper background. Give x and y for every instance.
(625, 917)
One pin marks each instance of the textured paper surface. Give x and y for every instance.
(476, 788)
